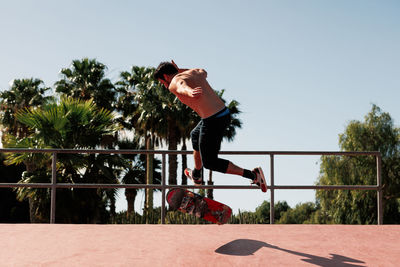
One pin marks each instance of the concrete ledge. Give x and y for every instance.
(199, 245)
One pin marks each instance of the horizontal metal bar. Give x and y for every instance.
(329, 187)
(154, 186)
(91, 151)
(175, 152)
(35, 185)
(304, 153)
(129, 186)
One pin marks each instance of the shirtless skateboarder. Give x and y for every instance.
(192, 89)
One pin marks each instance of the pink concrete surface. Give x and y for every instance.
(199, 245)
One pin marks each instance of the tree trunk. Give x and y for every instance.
(184, 164)
(149, 177)
(172, 145)
(112, 208)
(130, 195)
(37, 213)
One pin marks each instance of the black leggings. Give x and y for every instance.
(207, 138)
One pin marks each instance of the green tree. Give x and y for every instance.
(85, 79)
(135, 172)
(376, 133)
(23, 93)
(74, 124)
(263, 211)
(302, 213)
(319, 216)
(142, 111)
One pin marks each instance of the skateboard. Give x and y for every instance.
(199, 206)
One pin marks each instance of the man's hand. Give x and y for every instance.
(196, 92)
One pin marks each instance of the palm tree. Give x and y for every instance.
(135, 172)
(172, 110)
(85, 79)
(71, 124)
(140, 105)
(23, 93)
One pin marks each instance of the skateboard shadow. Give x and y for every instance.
(247, 247)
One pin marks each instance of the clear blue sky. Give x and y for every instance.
(301, 70)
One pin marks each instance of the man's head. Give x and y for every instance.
(165, 72)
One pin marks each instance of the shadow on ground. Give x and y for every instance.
(246, 247)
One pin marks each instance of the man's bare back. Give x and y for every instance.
(192, 89)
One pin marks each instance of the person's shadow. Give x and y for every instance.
(246, 247)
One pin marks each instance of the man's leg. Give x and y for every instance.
(210, 144)
(233, 169)
(210, 138)
(196, 174)
(198, 164)
(256, 175)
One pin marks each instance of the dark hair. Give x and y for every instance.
(165, 68)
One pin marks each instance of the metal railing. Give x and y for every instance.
(271, 185)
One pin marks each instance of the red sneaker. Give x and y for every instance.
(260, 179)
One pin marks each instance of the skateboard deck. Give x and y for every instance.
(199, 206)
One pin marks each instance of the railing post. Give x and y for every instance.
(53, 188)
(380, 192)
(272, 203)
(163, 190)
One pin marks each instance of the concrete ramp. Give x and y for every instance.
(199, 245)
